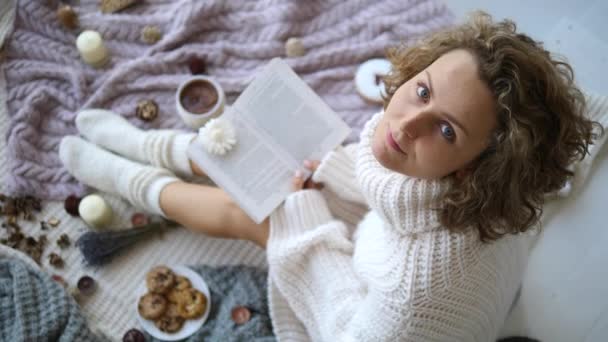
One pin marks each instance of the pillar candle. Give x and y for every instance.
(95, 211)
(92, 49)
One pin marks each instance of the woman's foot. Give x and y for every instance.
(161, 148)
(139, 184)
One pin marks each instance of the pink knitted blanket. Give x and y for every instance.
(47, 82)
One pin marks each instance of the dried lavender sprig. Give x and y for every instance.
(98, 248)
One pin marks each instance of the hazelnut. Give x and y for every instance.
(67, 17)
(133, 335)
(86, 285)
(197, 66)
(71, 204)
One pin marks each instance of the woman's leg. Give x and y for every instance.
(209, 210)
(200, 208)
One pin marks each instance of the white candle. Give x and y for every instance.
(92, 49)
(95, 211)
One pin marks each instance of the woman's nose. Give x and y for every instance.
(410, 126)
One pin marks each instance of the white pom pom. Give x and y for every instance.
(218, 136)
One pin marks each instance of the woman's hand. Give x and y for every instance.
(299, 183)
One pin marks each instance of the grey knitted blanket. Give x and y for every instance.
(35, 308)
(48, 83)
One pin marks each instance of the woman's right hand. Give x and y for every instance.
(299, 183)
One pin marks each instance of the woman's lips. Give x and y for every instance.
(392, 143)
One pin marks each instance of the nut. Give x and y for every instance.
(71, 204)
(147, 110)
(67, 17)
(133, 335)
(150, 34)
(86, 285)
(197, 66)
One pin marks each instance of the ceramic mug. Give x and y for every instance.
(199, 99)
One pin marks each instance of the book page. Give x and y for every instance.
(251, 173)
(291, 115)
(279, 122)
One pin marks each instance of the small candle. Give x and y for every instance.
(92, 49)
(95, 211)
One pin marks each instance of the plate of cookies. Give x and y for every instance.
(173, 302)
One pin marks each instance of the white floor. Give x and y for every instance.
(565, 291)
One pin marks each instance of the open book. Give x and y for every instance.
(279, 122)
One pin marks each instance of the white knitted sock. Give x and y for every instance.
(162, 148)
(139, 184)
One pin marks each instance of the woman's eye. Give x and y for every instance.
(423, 92)
(447, 131)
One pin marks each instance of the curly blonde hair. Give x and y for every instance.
(541, 129)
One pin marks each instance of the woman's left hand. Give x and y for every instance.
(299, 183)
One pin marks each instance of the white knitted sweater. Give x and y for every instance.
(400, 276)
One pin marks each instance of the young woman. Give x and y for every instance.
(480, 123)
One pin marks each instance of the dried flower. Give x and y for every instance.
(55, 260)
(218, 136)
(64, 241)
(147, 110)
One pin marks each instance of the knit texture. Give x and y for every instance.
(48, 82)
(399, 276)
(35, 308)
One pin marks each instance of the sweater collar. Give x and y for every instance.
(408, 204)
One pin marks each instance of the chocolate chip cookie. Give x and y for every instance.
(171, 320)
(160, 279)
(152, 306)
(194, 305)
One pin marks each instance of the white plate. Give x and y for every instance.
(190, 325)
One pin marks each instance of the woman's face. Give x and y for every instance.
(437, 122)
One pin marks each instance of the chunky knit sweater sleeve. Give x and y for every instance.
(337, 173)
(311, 264)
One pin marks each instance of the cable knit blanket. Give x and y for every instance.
(35, 308)
(48, 83)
